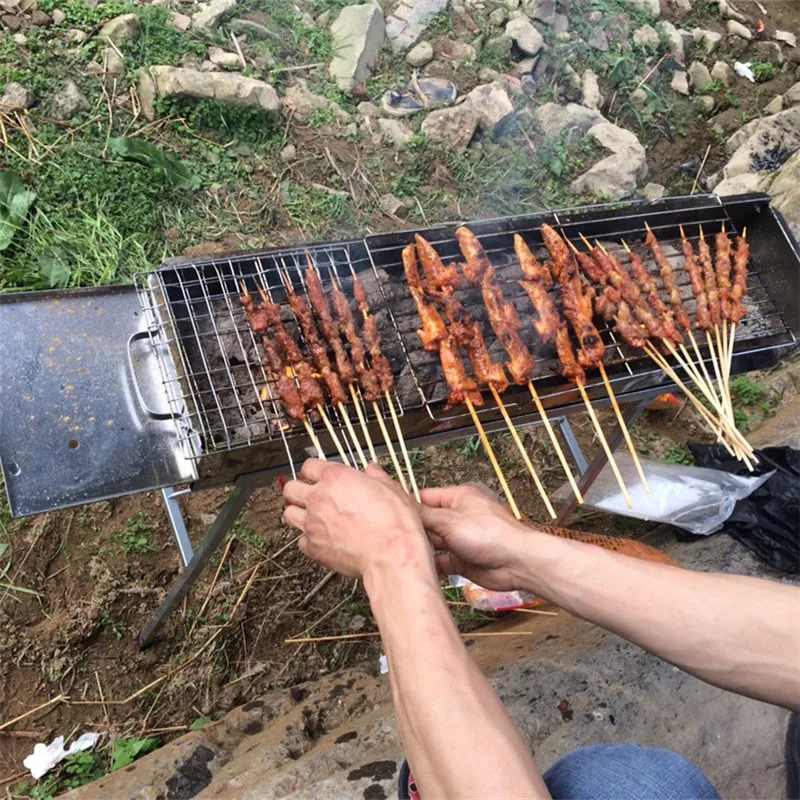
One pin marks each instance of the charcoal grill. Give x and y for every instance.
(117, 390)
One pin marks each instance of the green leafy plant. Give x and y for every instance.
(201, 722)
(748, 392)
(470, 447)
(675, 454)
(126, 751)
(135, 537)
(80, 769)
(15, 202)
(176, 172)
(763, 70)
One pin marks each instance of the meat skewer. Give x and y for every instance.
(506, 324)
(383, 371)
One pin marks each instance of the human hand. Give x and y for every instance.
(473, 534)
(355, 522)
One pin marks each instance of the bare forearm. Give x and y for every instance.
(742, 634)
(457, 735)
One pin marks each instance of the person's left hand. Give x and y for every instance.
(355, 522)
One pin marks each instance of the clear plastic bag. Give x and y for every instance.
(696, 499)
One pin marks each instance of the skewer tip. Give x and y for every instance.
(245, 292)
(597, 243)
(585, 241)
(722, 229)
(625, 245)
(574, 249)
(683, 232)
(647, 226)
(702, 235)
(310, 261)
(744, 233)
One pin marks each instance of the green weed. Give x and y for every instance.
(748, 392)
(83, 15)
(675, 454)
(110, 625)
(126, 751)
(470, 447)
(159, 42)
(312, 209)
(763, 70)
(135, 537)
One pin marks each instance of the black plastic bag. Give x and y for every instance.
(768, 521)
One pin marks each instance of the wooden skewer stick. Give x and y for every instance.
(363, 422)
(604, 443)
(332, 433)
(492, 457)
(345, 636)
(349, 426)
(398, 430)
(390, 447)
(313, 436)
(523, 452)
(624, 428)
(556, 444)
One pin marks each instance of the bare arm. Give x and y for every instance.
(738, 633)
(459, 739)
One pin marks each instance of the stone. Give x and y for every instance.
(488, 75)
(708, 40)
(699, 76)
(303, 103)
(209, 15)
(499, 47)
(453, 50)
(358, 34)
(652, 7)
(728, 12)
(453, 127)
(113, 65)
(492, 104)
(59, 17)
(736, 28)
(208, 66)
(775, 105)
(368, 109)
(653, 191)
(674, 39)
(20, 38)
(11, 22)
(617, 175)
(704, 103)
(553, 119)
(121, 29)
(680, 83)
(680, 7)
(561, 24)
(595, 17)
(787, 37)
(408, 21)
(75, 36)
(570, 85)
(463, 24)
(69, 101)
(226, 87)
(638, 99)
(525, 35)
(288, 154)
(763, 143)
(541, 10)
(723, 73)
(785, 191)
(180, 22)
(590, 90)
(222, 58)
(646, 36)
(498, 17)
(766, 51)
(392, 206)
(741, 184)
(398, 132)
(15, 96)
(191, 61)
(792, 95)
(524, 67)
(253, 29)
(420, 54)
(599, 41)
(41, 19)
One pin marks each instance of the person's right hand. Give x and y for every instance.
(473, 535)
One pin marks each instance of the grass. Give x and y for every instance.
(135, 536)
(470, 448)
(675, 454)
(763, 70)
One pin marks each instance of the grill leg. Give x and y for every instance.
(589, 475)
(572, 443)
(169, 496)
(216, 533)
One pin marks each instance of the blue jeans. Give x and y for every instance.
(627, 772)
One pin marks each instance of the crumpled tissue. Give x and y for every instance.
(744, 71)
(383, 664)
(45, 756)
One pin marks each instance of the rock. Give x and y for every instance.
(303, 103)
(741, 184)
(358, 33)
(41, 19)
(646, 36)
(570, 85)
(453, 127)
(323, 20)
(15, 96)
(680, 7)
(652, 7)
(20, 38)
(288, 154)
(454, 51)
(75, 36)
(699, 76)
(787, 37)
(525, 35)
(191, 61)
(499, 47)
(541, 10)
(680, 83)
(210, 14)
(397, 131)
(590, 90)
(498, 17)
(553, 119)
(69, 101)
(463, 24)
(785, 191)
(792, 95)
(638, 99)
(617, 175)
(180, 22)
(524, 67)
(225, 87)
(704, 103)
(708, 40)
(222, 58)
(599, 41)
(766, 51)
(722, 73)
(775, 105)
(392, 206)
(11, 22)
(253, 29)
(59, 17)
(368, 109)
(421, 54)
(728, 12)
(409, 19)
(561, 24)
(737, 29)
(113, 65)
(653, 191)
(763, 144)
(121, 29)
(674, 38)
(595, 17)
(487, 75)
(492, 104)
(208, 66)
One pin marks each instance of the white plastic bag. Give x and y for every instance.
(696, 499)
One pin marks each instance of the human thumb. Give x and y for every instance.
(437, 520)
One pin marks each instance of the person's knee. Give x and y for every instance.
(627, 772)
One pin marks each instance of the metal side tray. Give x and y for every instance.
(83, 414)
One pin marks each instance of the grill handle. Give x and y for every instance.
(135, 337)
